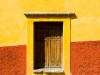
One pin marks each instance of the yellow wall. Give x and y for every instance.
(87, 25)
(13, 21)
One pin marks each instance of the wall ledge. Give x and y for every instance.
(50, 14)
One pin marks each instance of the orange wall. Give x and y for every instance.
(85, 58)
(13, 60)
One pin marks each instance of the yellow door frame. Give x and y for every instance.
(31, 18)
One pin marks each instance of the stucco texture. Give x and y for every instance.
(85, 58)
(13, 23)
(13, 60)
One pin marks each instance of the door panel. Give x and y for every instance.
(55, 31)
(46, 54)
(48, 44)
(58, 53)
(52, 53)
(39, 59)
(40, 51)
(52, 34)
(40, 25)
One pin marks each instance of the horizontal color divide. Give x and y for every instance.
(85, 59)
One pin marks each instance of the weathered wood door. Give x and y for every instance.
(48, 44)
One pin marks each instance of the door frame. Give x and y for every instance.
(47, 38)
(30, 41)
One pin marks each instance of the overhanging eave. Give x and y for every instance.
(50, 14)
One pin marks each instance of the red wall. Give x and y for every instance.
(13, 60)
(85, 58)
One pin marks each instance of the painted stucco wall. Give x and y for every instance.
(85, 58)
(12, 60)
(13, 21)
(86, 27)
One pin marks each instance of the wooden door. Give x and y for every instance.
(55, 44)
(48, 44)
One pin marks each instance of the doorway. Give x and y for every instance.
(48, 39)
